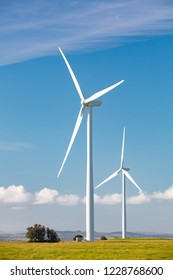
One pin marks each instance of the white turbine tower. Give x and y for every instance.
(86, 103)
(125, 174)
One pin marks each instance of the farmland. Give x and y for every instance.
(112, 249)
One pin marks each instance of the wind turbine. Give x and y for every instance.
(124, 171)
(88, 103)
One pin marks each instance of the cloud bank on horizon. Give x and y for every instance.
(17, 196)
(36, 28)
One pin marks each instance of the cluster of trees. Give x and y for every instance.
(40, 233)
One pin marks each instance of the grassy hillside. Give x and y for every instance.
(113, 249)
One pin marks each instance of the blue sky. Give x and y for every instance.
(105, 42)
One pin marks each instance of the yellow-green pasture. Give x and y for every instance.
(112, 249)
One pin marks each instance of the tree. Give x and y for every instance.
(39, 233)
(52, 236)
(36, 233)
(103, 238)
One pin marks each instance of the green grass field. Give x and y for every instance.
(113, 249)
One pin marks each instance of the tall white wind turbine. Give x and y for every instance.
(88, 103)
(124, 171)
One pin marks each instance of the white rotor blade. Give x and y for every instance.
(131, 179)
(76, 128)
(122, 151)
(109, 178)
(102, 92)
(73, 76)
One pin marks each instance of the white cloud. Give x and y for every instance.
(69, 199)
(18, 208)
(111, 199)
(141, 198)
(31, 29)
(50, 196)
(46, 196)
(108, 199)
(166, 195)
(13, 146)
(14, 195)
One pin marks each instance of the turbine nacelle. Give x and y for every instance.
(126, 168)
(94, 103)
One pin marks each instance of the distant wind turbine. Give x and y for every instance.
(124, 175)
(86, 103)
